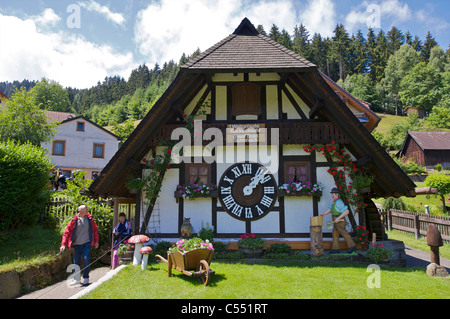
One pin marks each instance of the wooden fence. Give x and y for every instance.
(415, 223)
(59, 207)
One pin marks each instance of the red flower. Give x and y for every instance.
(169, 151)
(144, 160)
(184, 116)
(168, 166)
(152, 162)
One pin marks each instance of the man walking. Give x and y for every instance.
(81, 233)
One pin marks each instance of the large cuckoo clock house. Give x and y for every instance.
(254, 109)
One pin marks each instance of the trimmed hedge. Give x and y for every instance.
(24, 181)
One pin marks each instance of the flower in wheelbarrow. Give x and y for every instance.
(206, 245)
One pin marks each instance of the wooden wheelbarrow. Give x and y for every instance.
(194, 263)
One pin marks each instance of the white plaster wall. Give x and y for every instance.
(166, 204)
(227, 224)
(299, 101)
(268, 224)
(272, 102)
(221, 103)
(298, 211)
(199, 210)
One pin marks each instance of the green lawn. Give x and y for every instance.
(273, 280)
(33, 246)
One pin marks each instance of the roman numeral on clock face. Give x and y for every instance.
(268, 190)
(225, 190)
(266, 201)
(236, 171)
(246, 168)
(229, 201)
(237, 210)
(248, 212)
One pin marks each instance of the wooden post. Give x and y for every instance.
(389, 219)
(374, 239)
(416, 226)
(316, 241)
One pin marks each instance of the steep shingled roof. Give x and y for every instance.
(245, 48)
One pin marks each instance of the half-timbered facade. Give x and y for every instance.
(266, 103)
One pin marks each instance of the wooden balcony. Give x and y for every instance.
(290, 132)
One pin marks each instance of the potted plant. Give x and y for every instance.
(251, 245)
(377, 253)
(125, 253)
(134, 185)
(362, 182)
(361, 237)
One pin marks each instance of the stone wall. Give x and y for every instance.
(23, 280)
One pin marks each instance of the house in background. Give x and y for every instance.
(360, 108)
(80, 144)
(427, 148)
(3, 99)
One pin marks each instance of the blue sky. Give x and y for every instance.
(79, 43)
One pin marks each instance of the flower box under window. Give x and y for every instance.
(195, 191)
(300, 189)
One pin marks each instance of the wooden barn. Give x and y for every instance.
(427, 148)
(267, 104)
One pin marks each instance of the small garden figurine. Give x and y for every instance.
(339, 210)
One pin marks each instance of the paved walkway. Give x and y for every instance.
(60, 290)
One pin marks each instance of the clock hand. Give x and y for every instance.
(248, 190)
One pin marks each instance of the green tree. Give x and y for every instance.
(301, 42)
(274, 33)
(359, 60)
(429, 43)
(50, 95)
(380, 56)
(339, 48)
(442, 183)
(399, 64)
(421, 87)
(395, 39)
(22, 121)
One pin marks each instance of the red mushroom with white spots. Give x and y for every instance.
(138, 241)
(145, 251)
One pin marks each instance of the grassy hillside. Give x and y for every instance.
(387, 120)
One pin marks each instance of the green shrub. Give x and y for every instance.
(278, 248)
(219, 246)
(414, 168)
(393, 203)
(24, 182)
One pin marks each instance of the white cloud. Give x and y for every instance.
(393, 11)
(117, 18)
(48, 17)
(319, 17)
(166, 29)
(67, 58)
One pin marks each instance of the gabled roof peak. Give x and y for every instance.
(246, 28)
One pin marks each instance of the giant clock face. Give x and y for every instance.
(247, 191)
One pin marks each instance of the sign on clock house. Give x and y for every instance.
(263, 104)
